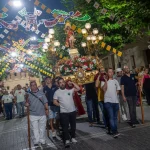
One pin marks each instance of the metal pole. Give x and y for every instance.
(29, 135)
(141, 103)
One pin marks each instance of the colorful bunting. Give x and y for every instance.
(12, 26)
(96, 5)
(23, 12)
(3, 15)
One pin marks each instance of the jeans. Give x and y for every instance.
(65, 120)
(101, 105)
(8, 110)
(38, 124)
(112, 112)
(95, 110)
(132, 108)
(20, 106)
(92, 108)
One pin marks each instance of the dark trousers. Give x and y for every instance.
(131, 100)
(8, 110)
(92, 109)
(147, 94)
(65, 120)
(112, 112)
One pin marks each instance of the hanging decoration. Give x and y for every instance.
(22, 12)
(31, 20)
(12, 26)
(37, 12)
(3, 15)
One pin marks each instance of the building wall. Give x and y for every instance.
(20, 78)
(135, 50)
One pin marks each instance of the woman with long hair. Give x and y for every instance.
(145, 85)
(77, 99)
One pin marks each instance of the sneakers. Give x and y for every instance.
(67, 144)
(116, 135)
(133, 126)
(54, 134)
(124, 117)
(73, 140)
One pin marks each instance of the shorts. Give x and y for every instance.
(53, 111)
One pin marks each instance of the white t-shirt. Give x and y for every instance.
(7, 98)
(20, 95)
(65, 98)
(111, 92)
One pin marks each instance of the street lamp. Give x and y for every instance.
(87, 25)
(51, 31)
(33, 38)
(95, 31)
(47, 40)
(83, 44)
(56, 43)
(50, 36)
(100, 37)
(83, 31)
(17, 3)
(13, 54)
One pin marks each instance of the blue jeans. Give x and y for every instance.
(20, 106)
(112, 112)
(8, 110)
(101, 105)
(89, 104)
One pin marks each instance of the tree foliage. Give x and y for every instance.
(134, 16)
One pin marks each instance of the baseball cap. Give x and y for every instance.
(118, 69)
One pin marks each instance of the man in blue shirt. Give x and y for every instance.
(49, 90)
(129, 92)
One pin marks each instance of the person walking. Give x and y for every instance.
(123, 104)
(145, 85)
(49, 91)
(20, 98)
(92, 103)
(129, 92)
(38, 109)
(7, 100)
(64, 98)
(111, 88)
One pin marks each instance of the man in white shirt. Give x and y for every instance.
(64, 99)
(111, 88)
(20, 98)
(7, 100)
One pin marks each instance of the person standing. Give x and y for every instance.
(7, 100)
(20, 98)
(111, 104)
(129, 92)
(64, 98)
(100, 93)
(92, 103)
(145, 85)
(77, 100)
(123, 104)
(49, 91)
(38, 109)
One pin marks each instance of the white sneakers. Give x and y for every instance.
(54, 134)
(73, 140)
(124, 117)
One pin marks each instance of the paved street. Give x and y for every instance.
(13, 136)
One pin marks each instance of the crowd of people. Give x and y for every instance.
(58, 102)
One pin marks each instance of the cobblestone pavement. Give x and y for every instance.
(13, 136)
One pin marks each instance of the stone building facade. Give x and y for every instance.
(134, 55)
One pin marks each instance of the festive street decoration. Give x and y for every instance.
(12, 26)
(37, 12)
(23, 12)
(31, 20)
(3, 15)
